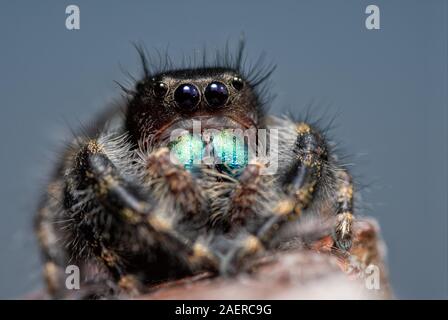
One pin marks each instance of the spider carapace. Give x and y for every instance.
(132, 203)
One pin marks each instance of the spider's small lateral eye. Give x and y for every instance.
(187, 96)
(237, 83)
(216, 94)
(160, 89)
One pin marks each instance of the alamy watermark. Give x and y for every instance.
(373, 18)
(239, 146)
(73, 17)
(73, 278)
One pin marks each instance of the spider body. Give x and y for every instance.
(127, 214)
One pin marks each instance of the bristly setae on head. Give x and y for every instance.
(222, 94)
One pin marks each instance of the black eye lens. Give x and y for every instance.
(237, 83)
(216, 94)
(186, 96)
(160, 89)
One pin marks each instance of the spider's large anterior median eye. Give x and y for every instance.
(187, 96)
(216, 94)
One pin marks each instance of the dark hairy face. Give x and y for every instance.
(218, 97)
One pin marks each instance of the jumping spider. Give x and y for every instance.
(118, 207)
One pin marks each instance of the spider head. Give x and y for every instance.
(217, 97)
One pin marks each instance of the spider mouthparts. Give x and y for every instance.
(210, 143)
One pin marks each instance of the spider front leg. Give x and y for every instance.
(300, 182)
(312, 166)
(307, 171)
(119, 219)
(173, 184)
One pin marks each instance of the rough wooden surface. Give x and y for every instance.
(319, 273)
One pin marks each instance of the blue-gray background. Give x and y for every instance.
(389, 87)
